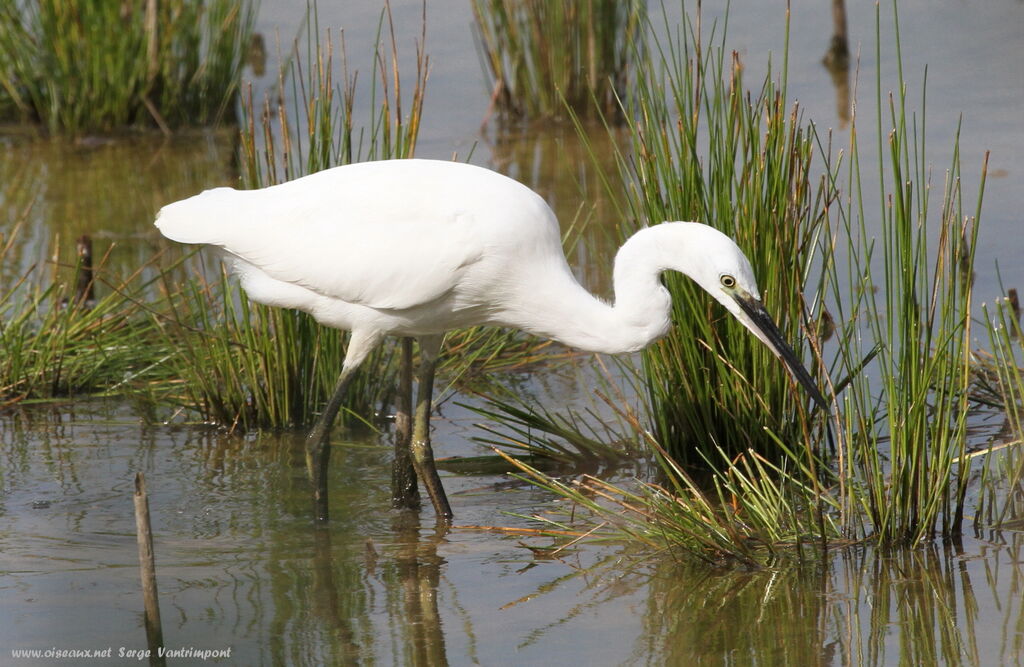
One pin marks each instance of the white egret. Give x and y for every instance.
(417, 247)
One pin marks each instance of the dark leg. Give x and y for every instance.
(318, 451)
(422, 453)
(404, 493)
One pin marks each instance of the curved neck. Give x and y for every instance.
(642, 304)
(639, 316)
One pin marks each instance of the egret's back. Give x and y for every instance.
(394, 234)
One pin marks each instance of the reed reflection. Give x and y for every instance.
(576, 178)
(696, 615)
(908, 607)
(865, 607)
(108, 188)
(837, 61)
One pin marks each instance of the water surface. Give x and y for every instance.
(241, 566)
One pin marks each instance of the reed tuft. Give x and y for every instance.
(543, 56)
(78, 66)
(747, 470)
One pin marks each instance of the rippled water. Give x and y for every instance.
(240, 565)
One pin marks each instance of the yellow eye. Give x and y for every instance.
(728, 281)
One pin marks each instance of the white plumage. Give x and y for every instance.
(418, 247)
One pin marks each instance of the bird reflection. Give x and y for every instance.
(419, 571)
(326, 601)
(410, 565)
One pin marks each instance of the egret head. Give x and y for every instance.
(725, 272)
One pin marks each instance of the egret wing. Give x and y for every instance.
(340, 238)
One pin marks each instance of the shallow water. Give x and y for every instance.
(108, 188)
(241, 566)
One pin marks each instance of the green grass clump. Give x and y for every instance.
(907, 294)
(747, 475)
(542, 56)
(901, 302)
(79, 66)
(243, 365)
(1001, 501)
(54, 343)
(751, 511)
(712, 152)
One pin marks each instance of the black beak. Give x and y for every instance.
(766, 326)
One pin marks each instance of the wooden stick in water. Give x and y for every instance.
(147, 564)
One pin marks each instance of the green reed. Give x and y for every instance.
(244, 365)
(1001, 501)
(705, 149)
(541, 56)
(318, 131)
(702, 148)
(747, 471)
(78, 66)
(56, 343)
(709, 384)
(908, 295)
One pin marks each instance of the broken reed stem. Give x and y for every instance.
(147, 566)
(85, 288)
(539, 532)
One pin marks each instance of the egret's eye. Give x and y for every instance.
(727, 281)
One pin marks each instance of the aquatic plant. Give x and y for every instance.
(711, 151)
(745, 469)
(908, 296)
(74, 330)
(542, 56)
(77, 66)
(1001, 499)
(701, 148)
